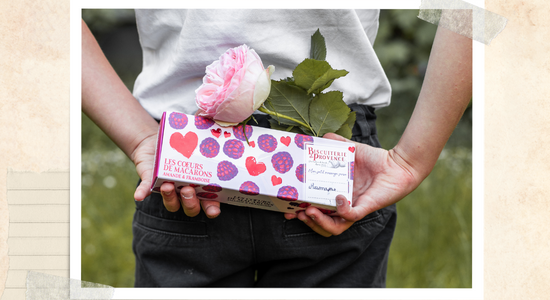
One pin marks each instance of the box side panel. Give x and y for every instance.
(158, 150)
(234, 197)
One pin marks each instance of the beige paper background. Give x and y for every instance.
(34, 131)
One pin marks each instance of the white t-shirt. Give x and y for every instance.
(178, 45)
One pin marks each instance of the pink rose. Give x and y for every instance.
(234, 86)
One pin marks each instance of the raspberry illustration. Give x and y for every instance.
(300, 172)
(177, 120)
(267, 143)
(213, 187)
(288, 193)
(238, 132)
(203, 123)
(209, 147)
(249, 188)
(233, 148)
(282, 162)
(351, 170)
(207, 195)
(227, 170)
(300, 139)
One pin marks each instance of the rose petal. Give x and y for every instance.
(263, 87)
(236, 110)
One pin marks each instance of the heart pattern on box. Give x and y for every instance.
(276, 180)
(184, 144)
(253, 167)
(216, 132)
(286, 140)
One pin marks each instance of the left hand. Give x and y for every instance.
(381, 179)
(144, 157)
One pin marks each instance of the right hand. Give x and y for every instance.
(144, 157)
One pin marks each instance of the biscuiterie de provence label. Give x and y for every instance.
(252, 166)
(328, 173)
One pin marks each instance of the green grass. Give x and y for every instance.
(432, 246)
(108, 183)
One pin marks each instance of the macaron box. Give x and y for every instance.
(252, 166)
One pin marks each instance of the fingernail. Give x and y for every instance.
(188, 195)
(211, 211)
(167, 193)
(312, 217)
(339, 202)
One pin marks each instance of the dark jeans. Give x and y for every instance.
(246, 247)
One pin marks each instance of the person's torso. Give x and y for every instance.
(179, 44)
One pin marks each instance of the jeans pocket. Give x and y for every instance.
(174, 228)
(296, 228)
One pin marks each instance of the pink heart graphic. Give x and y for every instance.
(276, 180)
(285, 140)
(252, 144)
(216, 132)
(254, 168)
(184, 144)
(226, 134)
(351, 149)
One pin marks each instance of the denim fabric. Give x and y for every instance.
(246, 247)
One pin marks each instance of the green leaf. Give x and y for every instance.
(326, 80)
(347, 127)
(282, 127)
(308, 71)
(328, 112)
(289, 100)
(318, 47)
(306, 131)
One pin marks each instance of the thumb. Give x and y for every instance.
(344, 209)
(143, 190)
(352, 214)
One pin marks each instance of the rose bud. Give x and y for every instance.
(234, 86)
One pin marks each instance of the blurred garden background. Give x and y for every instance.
(432, 246)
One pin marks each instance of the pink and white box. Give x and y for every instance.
(274, 170)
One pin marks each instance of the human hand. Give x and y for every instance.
(144, 157)
(381, 179)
